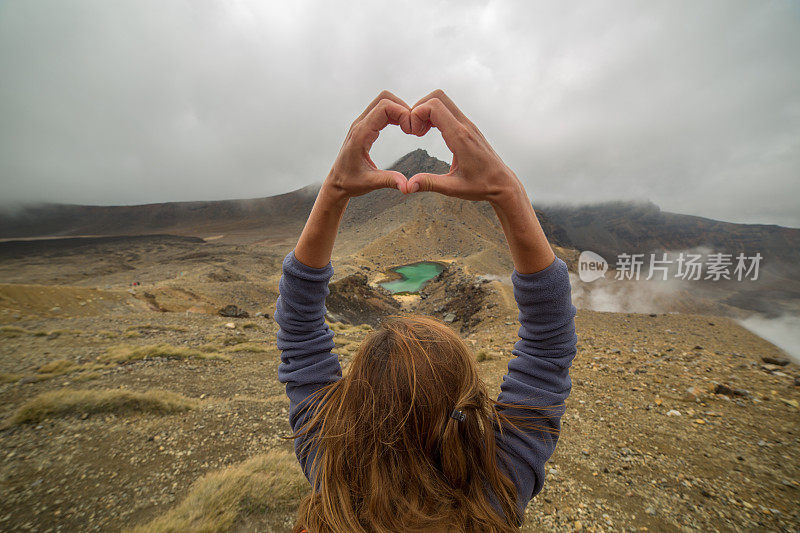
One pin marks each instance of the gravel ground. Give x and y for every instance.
(626, 459)
(676, 421)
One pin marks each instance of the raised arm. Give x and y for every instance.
(306, 343)
(538, 375)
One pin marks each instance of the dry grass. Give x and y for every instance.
(249, 347)
(10, 378)
(157, 327)
(11, 332)
(227, 338)
(339, 327)
(249, 325)
(126, 353)
(211, 347)
(482, 355)
(232, 340)
(66, 402)
(58, 332)
(348, 348)
(349, 328)
(214, 337)
(29, 378)
(264, 483)
(60, 367)
(57, 367)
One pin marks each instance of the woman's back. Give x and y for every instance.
(387, 424)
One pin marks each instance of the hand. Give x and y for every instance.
(353, 172)
(477, 172)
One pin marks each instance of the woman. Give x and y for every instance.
(409, 440)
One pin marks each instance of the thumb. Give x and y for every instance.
(388, 179)
(442, 183)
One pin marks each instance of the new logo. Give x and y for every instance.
(591, 266)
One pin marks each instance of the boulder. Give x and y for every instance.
(694, 394)
(353, 300)
(730, 391)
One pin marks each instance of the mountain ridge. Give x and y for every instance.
(384, 229)
(608, 228)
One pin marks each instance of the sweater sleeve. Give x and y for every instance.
(538, 375)
(306, 342)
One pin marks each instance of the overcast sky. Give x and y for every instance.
(694, 105)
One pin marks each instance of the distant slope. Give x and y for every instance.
(182, 218)
(613, 228)
(386, 223)
(385, 228)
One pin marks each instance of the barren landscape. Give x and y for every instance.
(128, 402)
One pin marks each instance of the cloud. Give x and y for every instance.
(653, 296)
(782, 331)
(695, 106)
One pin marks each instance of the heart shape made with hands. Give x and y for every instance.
(476, 171)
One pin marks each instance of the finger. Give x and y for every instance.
(384, 95)
(388, 179)
(384, 113)
(434, 113)
(447, 101)
(418, 127)
(449, 104)
(445, 184)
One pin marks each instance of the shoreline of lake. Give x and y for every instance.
(406, 278)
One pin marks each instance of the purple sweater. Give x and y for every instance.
(538, 375)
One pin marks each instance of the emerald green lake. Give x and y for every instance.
(414, 276)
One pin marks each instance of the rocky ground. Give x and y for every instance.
(675, 422)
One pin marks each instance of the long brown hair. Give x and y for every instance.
(389, 455)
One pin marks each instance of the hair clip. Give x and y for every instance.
(458, 415)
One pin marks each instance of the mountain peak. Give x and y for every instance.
(419, 161)
(418, 151)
